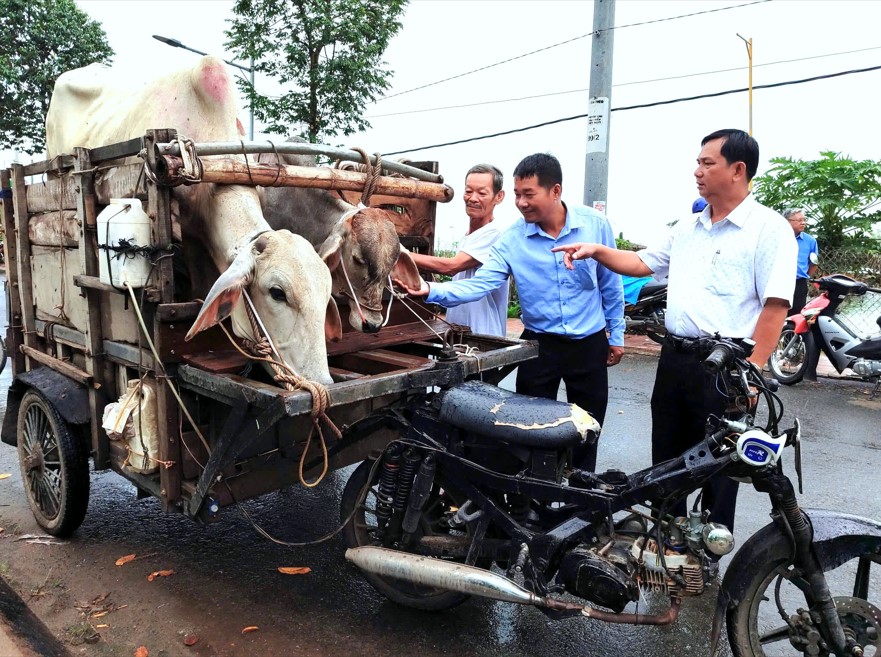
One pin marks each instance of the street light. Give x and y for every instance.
(174, 43)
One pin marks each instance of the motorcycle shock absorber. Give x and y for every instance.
(388, 484)
(422, 486)
(409, 465)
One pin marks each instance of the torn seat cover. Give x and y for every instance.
(518, 419)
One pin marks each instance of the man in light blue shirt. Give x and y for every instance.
(568, 312)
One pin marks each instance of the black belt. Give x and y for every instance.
(691, 345)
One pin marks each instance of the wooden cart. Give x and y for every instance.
(74, 343)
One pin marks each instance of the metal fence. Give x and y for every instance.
(859, 313)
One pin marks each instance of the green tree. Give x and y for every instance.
(328, 51)
(840, 196)
(40, 40)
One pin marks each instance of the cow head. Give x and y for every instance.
(363, 249)
(290, 288)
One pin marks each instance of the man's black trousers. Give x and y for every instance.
(581, 365)
(685, 394)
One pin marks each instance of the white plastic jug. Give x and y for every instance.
(123, 224)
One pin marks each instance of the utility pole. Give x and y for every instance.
(596, 162)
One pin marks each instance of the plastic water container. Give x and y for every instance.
(123, 224)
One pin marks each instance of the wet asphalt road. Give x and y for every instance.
(228, 572)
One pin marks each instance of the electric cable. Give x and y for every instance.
(641, 106)
(622, 84)
(561, 43)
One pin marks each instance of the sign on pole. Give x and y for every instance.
(598, 125)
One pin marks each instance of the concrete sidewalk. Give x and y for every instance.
(640, 344)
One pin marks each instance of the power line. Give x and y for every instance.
(562, 43)
(623, 84)
(642, 106)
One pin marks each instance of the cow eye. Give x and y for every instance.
(278, 294)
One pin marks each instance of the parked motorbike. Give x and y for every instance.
(819, 327)
(644, 311)
(480, 476)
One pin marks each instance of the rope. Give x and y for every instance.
(372, 171)
(292, 381)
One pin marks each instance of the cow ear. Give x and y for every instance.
(225, 293)
(405, 270)
(332, 249)
(333, 326)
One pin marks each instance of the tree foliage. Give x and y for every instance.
(327, 52)
(40, 40)
(840, 196)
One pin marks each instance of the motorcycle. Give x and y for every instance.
(645, 302)
(819, 327)
(479, 477)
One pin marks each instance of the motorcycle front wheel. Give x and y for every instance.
(756, 627)
(363, 529)
(788, 361)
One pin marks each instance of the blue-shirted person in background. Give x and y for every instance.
(807, 257)
(569, 312)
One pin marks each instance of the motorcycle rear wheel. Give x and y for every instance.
(788, 361)
(361, 530)
(756, 629)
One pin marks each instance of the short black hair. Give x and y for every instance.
(737, 147)
(543, 166)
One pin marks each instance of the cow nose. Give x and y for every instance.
(371, 327)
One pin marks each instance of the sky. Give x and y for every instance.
(652, 151)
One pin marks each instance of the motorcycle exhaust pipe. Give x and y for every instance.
(461, 578)
(436, 573)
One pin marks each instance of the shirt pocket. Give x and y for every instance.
(726, 273)
(585, 274)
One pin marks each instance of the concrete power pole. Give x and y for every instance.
(596, 163)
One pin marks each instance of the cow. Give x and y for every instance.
(288, 282)
(360, 246)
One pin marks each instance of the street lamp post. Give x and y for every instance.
(174, 43)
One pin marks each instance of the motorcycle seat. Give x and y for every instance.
(517, 419)
(651, 288)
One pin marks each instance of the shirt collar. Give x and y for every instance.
(737, 216)
(572, 221)
(800, 235)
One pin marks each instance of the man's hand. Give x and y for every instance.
(577, 251)
(615, 354)
(422, 291)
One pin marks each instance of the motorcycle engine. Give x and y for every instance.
(865, 367)
(654, 578)
(602, 576)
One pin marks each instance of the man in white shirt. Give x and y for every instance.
(730, 272)
(483, 192)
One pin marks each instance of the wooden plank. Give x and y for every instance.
(228, 171)
(13, 330)
(222, 362)
(339, 374)
(113, 182)
(378, 361)
(23, 264)
(389, 335)
(92, 330)
(60, 229)
(57, 163)
(61, 366)
(116, 151)
(168, 412)
(151, 294)
(178, 312)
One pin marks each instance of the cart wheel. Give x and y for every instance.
(54, 466)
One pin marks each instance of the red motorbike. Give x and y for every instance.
(819, 327)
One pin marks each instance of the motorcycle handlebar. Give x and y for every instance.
(720, 357)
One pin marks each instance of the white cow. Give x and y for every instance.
(361, 247)
(287, 280)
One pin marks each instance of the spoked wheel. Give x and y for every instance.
(788, 361)
(363, 529)
(54, 466)
(756, 627)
